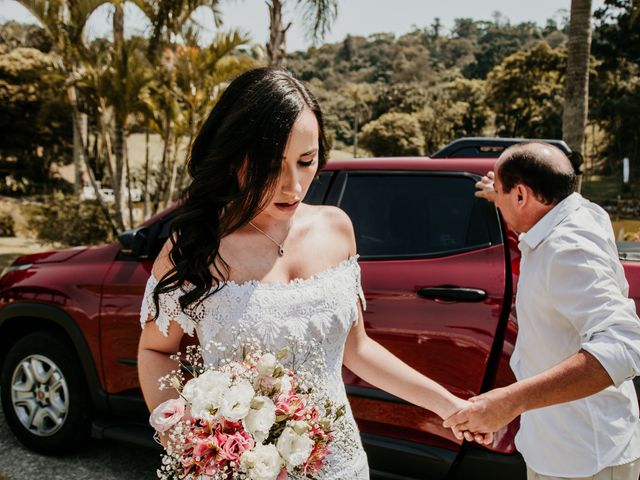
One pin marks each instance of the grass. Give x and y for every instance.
(598, 187)
(13, 247)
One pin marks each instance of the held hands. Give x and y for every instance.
(485, 189)
(484, 414)
(459, 405)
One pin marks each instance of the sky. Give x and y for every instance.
(355, 17)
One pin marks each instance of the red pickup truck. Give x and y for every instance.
(439, 271)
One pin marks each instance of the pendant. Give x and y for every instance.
(281, 250)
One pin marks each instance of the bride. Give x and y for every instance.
(255, 258)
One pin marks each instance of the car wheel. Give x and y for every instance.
(44, 396)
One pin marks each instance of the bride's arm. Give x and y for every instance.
(376, 365)
(154, 350)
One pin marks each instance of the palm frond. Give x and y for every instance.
(318, 15)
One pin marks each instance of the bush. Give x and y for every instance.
(393, 134)
(67, 220)
(7, 225)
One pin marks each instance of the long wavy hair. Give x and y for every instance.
(247, 130)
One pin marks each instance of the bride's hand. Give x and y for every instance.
(458, 404)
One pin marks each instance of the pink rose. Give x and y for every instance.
(266, 383)
(167, 414)
(236, 445)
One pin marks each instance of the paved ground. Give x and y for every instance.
(100, 460)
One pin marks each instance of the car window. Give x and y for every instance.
(318, 189)
(415, 215)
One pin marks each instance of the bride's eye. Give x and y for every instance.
(307, 164)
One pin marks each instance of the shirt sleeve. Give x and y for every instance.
(587, 287)
(169, 309)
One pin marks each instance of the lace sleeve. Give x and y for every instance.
(169, 310)
(359, 292)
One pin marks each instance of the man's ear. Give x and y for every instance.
(522, 194)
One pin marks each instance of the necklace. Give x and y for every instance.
(279, 245)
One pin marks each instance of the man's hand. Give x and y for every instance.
(485, 187)
(487, 413)
(456, 405)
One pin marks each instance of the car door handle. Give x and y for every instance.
(453, 294)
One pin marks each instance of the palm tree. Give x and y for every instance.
(126, 77)
(64, 22)
(574, 117)
(201, 74)
(318, 15)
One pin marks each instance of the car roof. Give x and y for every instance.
(478, 166)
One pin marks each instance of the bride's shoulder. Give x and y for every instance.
(332, 222)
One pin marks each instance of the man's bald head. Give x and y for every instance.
(540, 166)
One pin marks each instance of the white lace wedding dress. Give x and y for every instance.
(322, 308)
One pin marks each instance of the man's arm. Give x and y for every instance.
(582, 286)
(577, 377)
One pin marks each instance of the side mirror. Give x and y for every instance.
(135, 242)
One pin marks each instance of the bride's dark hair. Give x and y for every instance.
(247, 130)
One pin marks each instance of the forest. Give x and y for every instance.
(382, 95)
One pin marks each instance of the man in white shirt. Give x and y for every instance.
(578, 345)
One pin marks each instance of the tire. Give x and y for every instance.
(44, 395)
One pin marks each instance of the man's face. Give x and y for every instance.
(507, 202)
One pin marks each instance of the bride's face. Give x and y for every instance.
(299, 167)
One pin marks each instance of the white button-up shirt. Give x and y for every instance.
(572, 295)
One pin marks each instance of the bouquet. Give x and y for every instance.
(249, 418)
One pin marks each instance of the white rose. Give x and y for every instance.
(205, 393)
(267, 364)
(294, 448)
(260, 418)
(236, 401)
(261, 463)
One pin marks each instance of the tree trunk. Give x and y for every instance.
(145, 207)
(79, 142)
(576, 100)
(104, 133)
(71, 94)
(161, 182)
(119, 173)
(174, 172)
(120, 117)
(129, 199)
(276, 47)
(118, 25)
(355, 135)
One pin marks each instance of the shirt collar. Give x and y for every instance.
(552, 218)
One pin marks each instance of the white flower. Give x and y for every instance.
(294, 448)
(261, 463)
(299, 426)
(267, 364)
(167, 414)
(205, 393)
(260, 418)
(236, 401)
(285, 384)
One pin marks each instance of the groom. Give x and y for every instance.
(578, 345)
